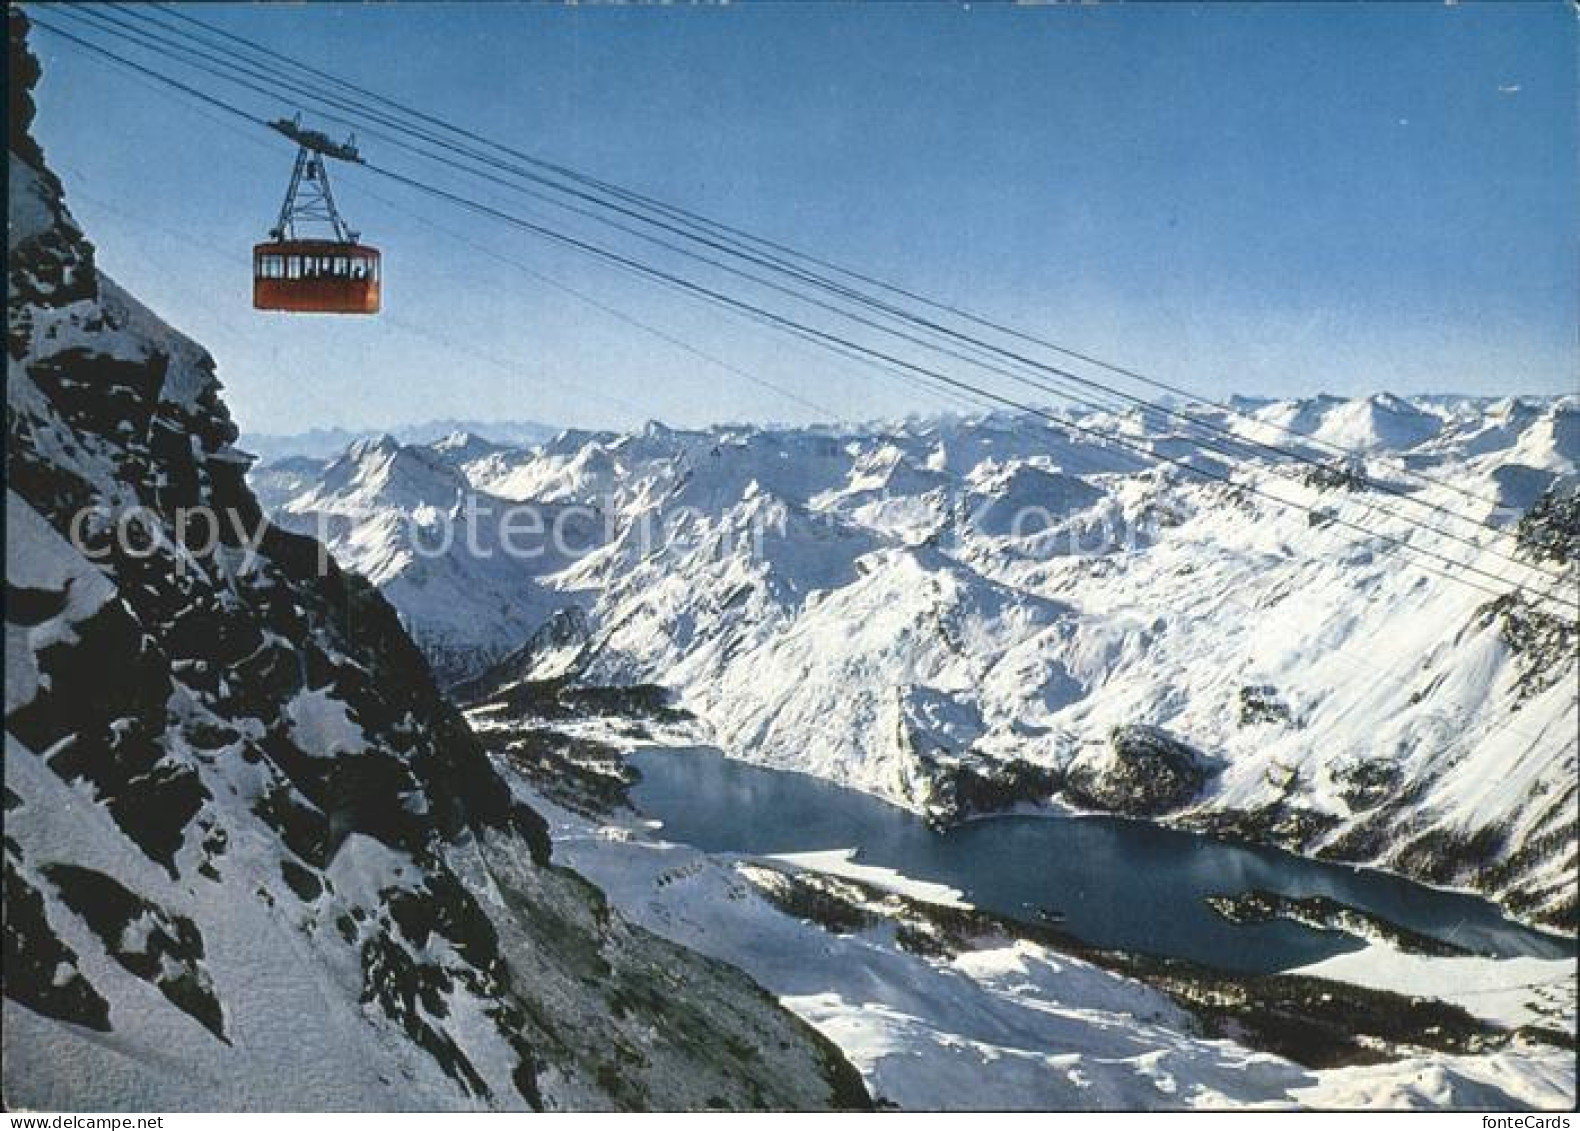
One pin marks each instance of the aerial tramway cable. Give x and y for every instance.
(827, 339)
(1053, 384)
(1054, 372)
(764, 243)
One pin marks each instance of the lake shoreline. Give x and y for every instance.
(889, 836)
(1227, 826)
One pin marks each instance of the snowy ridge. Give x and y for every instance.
(407, 520)
(326, 443)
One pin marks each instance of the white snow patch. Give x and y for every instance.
(1506, 991)
(322, 725)
(841, 862)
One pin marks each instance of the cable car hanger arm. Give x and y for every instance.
(317, 140)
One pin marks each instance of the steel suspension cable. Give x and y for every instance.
(1230, 436)
(762, 242)
(1236, 452)
(823, 337)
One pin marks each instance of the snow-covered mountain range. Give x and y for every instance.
(962, 614)
(323, 443)
(253, 859)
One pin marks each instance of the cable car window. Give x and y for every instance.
(340, 265)
(293, 267)
(273, 267)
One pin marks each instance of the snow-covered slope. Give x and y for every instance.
(252, 858)
(964, 613)
(1010, 1024)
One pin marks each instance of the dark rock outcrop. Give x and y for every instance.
(954, 789)
(1550, 530)
(1144, 773)
(1262, 704)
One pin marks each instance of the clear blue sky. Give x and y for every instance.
(1262, 199)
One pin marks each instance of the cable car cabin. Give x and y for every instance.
(315, 276)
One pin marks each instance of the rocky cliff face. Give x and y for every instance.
(252, 858)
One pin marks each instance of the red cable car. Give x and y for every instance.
(337, 275)
(315, 276)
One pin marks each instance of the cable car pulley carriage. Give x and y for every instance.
(333, 275)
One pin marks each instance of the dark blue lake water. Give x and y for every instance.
(1118, 883)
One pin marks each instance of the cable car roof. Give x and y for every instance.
(316, 140)
(316, 247)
